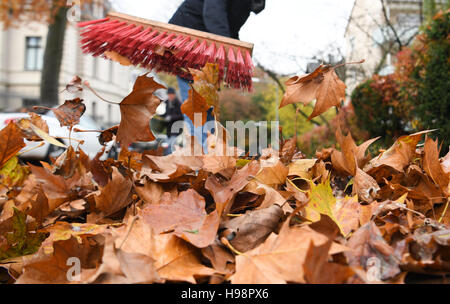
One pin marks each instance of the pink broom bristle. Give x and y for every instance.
(209, 54)
(174, 41)
(240, 62)
(185, 51)
(231, 70)
(151, 43)
(181, 43)
(117, 34)
(249, 63)
(197, 57)
(167, 40)
(220, 60)
(122, 46)
(126, 34)
(131, 49)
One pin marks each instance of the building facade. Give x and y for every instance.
(369, 36)
(21, 60)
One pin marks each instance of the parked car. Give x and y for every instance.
(90, 146)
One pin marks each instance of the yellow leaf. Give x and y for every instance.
(45, 136)
(301, 168)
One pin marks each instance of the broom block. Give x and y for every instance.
(179, 30)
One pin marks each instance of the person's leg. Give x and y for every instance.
(183, 85)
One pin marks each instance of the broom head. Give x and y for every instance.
(168, 48)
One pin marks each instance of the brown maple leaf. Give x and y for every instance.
(53, 268)
(194, 106)
(69, 113)
(433, 167)
(252, 228)
(224, 191)
(319, 271)
(137, 109)
(11, 142)
(115, 195)
(186, 217)
(398, 156)
(323, 85)
(281, 258)
(175, 259)
(56, 188)
(352, 156)
(371, 251)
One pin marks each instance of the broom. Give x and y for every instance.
(168, 48)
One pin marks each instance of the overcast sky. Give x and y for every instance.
(286, 34)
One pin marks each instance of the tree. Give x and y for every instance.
(53, 57)
(430, 78)
(53, 12)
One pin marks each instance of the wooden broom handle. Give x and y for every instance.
(163, 27)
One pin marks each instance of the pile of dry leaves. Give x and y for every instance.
(343, 217)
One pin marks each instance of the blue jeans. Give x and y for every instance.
(200, 133)
(184, 87)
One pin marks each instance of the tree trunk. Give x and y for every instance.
(52, 59)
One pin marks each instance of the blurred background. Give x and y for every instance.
(404, 43)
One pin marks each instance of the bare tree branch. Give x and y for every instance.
(388, 22)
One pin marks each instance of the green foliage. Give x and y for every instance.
(380, 109)
(431, 80)
(416, 96)
(20, 241)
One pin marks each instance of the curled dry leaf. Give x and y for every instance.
(252, 228)
(223, 192)
(75, 85)
(136, 110)
(56, 188)
(69, 113)
(372, 253)
(25, 126)
(433, 167)
(352, 156)
(301, 168)
(272, 174)
(365, 186)
(323, 85)
(219, 256)
(168, 168)
(399, 155)
(108, 135)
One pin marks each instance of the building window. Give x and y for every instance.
(33, 53)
